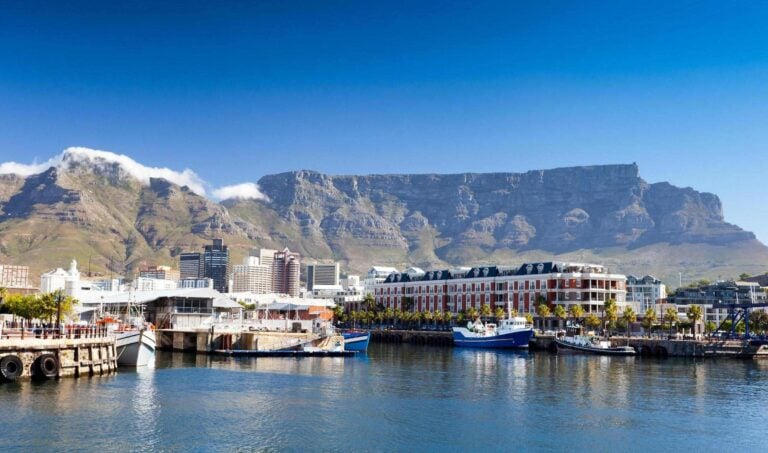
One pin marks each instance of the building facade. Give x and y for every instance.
(645, 292)
(376, 275)
(322, 274)
(190, 265)
(160, 273)
(715, 298)
(285, 273)
(518, 289)
(216, 264)
(252, 277)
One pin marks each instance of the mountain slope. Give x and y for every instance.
(95, 210)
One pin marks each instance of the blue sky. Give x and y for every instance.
(238, 91)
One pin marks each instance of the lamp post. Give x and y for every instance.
(58, 312)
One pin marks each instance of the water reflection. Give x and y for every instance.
(399, 397)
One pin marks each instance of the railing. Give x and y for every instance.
(68, 332)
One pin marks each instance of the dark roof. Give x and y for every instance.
(537, 268)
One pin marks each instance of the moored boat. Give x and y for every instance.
(356, 340)
(135, 347)
(512, 333)
(591, 345)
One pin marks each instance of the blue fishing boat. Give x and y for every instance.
(513, 333)
(356, 341)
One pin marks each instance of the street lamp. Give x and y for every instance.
(58, 312)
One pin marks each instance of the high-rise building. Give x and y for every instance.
(322, 274)
(190, 265)
(266, 256)
(216, 264)
(252, 276)
(285, 272)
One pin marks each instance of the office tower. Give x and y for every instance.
(216, 264)
(322, 274)
(285, 272)
(190, 265)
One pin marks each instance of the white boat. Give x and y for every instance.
(591, 345)
(513, 333)
(135, 347)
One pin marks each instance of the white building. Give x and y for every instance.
(252, 276)
(59, 279)
(322, 275)
(375, 276)
(645, 292)
(154, 284)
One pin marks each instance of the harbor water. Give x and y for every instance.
(397, 398)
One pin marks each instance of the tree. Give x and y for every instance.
(543, 311)
(744, 276)
(610, 313)
(575, 311)
(447, 317)
(429, 316)
(498, 314)
(369, 302)
(485, 311)
(27, 307)
(3, 293)
(758, 321)
(561, 313)
(460, 318)
(528, 318)
(471, 313)
(670, 316)
(710, 327)
(592, 321)
(694, 314)
(628, 316)
(648, 319)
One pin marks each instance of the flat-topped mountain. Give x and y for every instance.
(97, 210)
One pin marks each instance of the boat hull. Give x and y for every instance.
(563, 346)
(512, 340)
(356, 341)
(135, 348)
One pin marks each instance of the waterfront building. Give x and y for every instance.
(762, 280)
(160, 273)
(715, 297)
(322, 274)
(645, 292)
(252, 276)
(190, 265)
(12, 276)
(376, 275)
(518, 288)
(285, 272)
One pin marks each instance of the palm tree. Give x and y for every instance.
(485, 311)
(471, 313)
(528, 318)
(561, 313)
(428, 316)
(3, 293)
(694, 314)
(610, 313)
(498, 314)
(575, 311)
(648, 319)
(543, 311)
(670, 316)
(629, 316)
(592, 321)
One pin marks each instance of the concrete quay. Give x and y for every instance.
(52, 358)
(212, 341)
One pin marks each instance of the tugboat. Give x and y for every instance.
(513, 333)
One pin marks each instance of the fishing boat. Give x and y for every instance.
(512, 333)
(355, 340)
(591, 345)
(135, 347)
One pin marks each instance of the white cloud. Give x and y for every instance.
(96, 157)
(242, 191)
(142, 173)
(26, 169)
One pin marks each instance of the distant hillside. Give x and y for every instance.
(97, 211)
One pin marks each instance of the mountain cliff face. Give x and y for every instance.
(98, 212)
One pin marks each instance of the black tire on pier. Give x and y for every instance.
(11, 367)
(47, 366)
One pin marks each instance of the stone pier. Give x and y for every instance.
(62, 357)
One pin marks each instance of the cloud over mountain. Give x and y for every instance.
(243, 191)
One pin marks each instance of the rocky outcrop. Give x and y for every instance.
(552, 210)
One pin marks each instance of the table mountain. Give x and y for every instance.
(102, 214)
